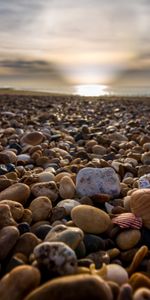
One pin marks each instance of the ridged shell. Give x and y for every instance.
(128, 220)
(140, 205)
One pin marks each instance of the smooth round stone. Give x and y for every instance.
(59, 176)
(46, 177)
(56, 257)
(19, 282)
(32, 138)
(140, 205)
(23, 228)
(93, 243)
(146, 158)
(8, 238)
(4, 183)
(42, 231)
(16, 208)
(24, 158)
(127, 239)
(8, 156)
(116, 273)
(27, 216)
(71, 236)
(6, 218)
(41, 208)
(74, 287)
(92, 181)
(48, 189)
(26, 243)
(90, 219)
(100, 150)
(144, 181)
(68, 205)
(66, 188)
(18, 192)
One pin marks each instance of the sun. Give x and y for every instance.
(91, 90)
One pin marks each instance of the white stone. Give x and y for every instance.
(144, 181)
(92, 181)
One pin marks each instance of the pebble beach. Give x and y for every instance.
(74, 197)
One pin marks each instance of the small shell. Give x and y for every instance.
(128, 220)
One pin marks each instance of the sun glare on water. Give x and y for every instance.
(91, 90)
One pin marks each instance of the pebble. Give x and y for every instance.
(48, 189)
(40, 208)
(56, 257)
(127, 239)
(46, 177)
(114, 272)
(68, 205)
(66, 188)
(8, 238)
(92, 181)
(19, 282)
(26, 243)
(144, 181)
(6, 218)
(93, 243)
(16, 208)
(146, 158)
(33, 138)
(42, 230)
(71, 236)
(90, 219)
(75, 287)
(140, 205)
(18, 192)
(142, 294)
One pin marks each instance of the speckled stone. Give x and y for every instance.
(40, 207)
(127, 239)
(71, 236)
(16, 208)
(8, 238)
(56, 258)
(19, 282)
(144, 181)
(90, 219)
(48, 189)
(92, 181)
(32, 138)
(68, 205)
(18, 192)
(74, 287)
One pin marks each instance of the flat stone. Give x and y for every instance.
(90, 219)
(8, 238)
(56, 257)
(73, 287)
(92, 181)
(32, 138)
(19, 192)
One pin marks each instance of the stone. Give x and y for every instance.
(99, 258)
(127, 239)
(141, 294)
(140, 205)
(56, 258)
(92, 181)
(7, 157)
(74, 287)
(27, 216)
(42, 230)
(66, 188)
(6, 218)
(23, 227)
(93, 243)
(71, 236)
(16, 208)
(57, 213)
(4, 183)
(146, 158)
(8, 238)
(68, 205)
(48, 189)
(32, 138)
(139, 280)
(18, 192)
(26, 243)
(19, 282)
(90, 219)
(46, 177)
(125, 292)
(114, 272)
(144, 181)
(41, 208)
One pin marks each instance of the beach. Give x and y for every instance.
(74, 197)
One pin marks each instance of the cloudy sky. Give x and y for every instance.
(60, 43)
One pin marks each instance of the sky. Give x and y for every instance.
(56, 44)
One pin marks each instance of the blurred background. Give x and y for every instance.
(82, 46)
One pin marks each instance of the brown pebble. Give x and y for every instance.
(19, 192)
(26, 243)
(6, 218)
(41, 208)
(8, 238)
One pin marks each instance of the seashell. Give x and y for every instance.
(141, 294)
(140, 205)
(128, 220)
(138, 280)
(137, 259)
